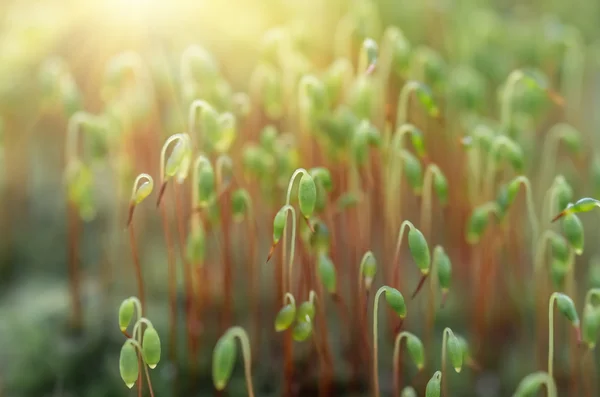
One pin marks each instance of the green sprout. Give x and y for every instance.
(419, 250)
(590, 325)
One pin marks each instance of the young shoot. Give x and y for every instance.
(286, 316)
(224, 356)
(423, 95)
(566, 307)
(395, 301)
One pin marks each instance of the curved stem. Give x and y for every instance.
(361, 269)
(73, 129)
(241, 334)
(490, 169)
(447, 331)
(430, 171)
(290, 209)
(507, 96)
(200, 162)
(375, 347)
(540, 251)
(530, 209)
(551, 333)
(399, 240)
(138, 325)
(396, 361)
(550, 148)
(547, 379)
(403, 101)
(197, 104)
(163, 153)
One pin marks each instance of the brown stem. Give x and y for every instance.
(227, 267)
(172, 281)
(137, 266)
(253, 284)
(74, 274)
(187, 274)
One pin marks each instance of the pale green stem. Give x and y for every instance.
(523, 180)
(241, 334)
(400, 239)
(540, 252)
(375, 347)
(544, 378)
(447, 332)
(73, 129)
(573, 70)
(288, 208)
(430, 171)
(551, 333)
(293, 242)
(137, 328)
(550, 149)
(507, 96)
(197, 104)
(490, 169)
(201, 161)
(402, 111)
(549, 204)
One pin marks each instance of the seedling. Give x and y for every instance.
(433, 388)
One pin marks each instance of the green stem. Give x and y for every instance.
(288, 197)
(507, 96)
(396, 360)
(523, 180)
(547, 379)
(550, 148)
(490, 169)
(200, 162)
(538, 261)
(375, 347)
(447, 332)
(241, 334)
(399, 240)
(138, 325)
(403, 101)
(76, 121)
(197, 104)
(551, 333)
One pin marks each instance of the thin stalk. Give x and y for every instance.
(490, 169)
(550, 150)
(138, 346)
(396, 361)
(136, 265)
(223, 161)
(375, 345)
(447, 332)
(187, 273)
(240, 333)
(533, 221)
(172, 281)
